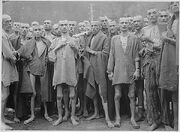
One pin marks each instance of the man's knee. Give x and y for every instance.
(34, 94)
(72, 95)
(117, 96)
(5, 93)
(131, 96)
(59, 97)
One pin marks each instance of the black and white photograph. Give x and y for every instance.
(90, 65)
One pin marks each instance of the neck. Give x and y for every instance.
(38, 38)
(153, 23)
(48, 31)
(65, 34)
(124, 33)
(138, 30)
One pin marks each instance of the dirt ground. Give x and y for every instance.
(98, 124)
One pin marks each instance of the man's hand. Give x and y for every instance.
(136, 74)
(110, 75)
(94, 52)
(15, 53)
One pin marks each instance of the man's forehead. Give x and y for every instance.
(35, 23)
(73, 22)
(37, 27)
(63, 22)
(81, 24)
(95, 23)
(112, 23)
(47, 21)
(124, 19)
(16, 23)
(163, 12)
(24, 25)
(6, 17)
(152, 10)
(137, 18)
(103, 18)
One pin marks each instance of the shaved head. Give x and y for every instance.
(34, 23)
(152, 15)
(64, 26)
(5, 17)
(6, 22)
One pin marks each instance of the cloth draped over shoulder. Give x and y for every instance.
(35, 65)
(168, 71)
(122, 63)
(99, 63)
(9, 71)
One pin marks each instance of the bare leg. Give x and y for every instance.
(5, 94)
(175, 109)
(59, 105)
(96, 110)
(131, 95)
(117, 98)
(66, 103)
(15, 102)
(85, 112)
(32, 78)
(72, 96)
(105, 107)
(46, 116)
(80, 94)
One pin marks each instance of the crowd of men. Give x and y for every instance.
(86, 69)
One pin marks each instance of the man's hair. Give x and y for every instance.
(5, 17)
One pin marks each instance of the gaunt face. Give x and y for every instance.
(37, 31)
(123, 24)
(63, 26)
(112, 27)
(95, 27)
(138, 22)
(24, 28)
(47, 25)
(152, 15)
(104, 22)
(163, 17)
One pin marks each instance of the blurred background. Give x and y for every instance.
(28, 11)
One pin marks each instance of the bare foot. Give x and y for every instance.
(76, 118)
(153, 127)
(65, 118)
(134, 124)
(8, 121)
(73, 120)
(94, 116)
(110, 124)
(5, 127)
(29, 120)
(48, 118)
(16, 120)
(85, 113)
(57, 122)
(79, 112)
(117, 123)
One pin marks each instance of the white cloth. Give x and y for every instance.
(124, 42)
